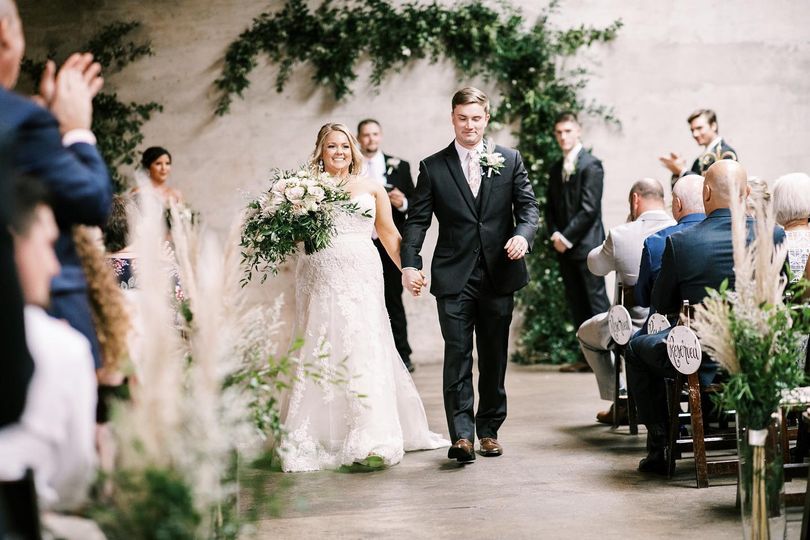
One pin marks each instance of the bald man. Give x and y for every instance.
(694, 259)
(621, 253)
(51, 140)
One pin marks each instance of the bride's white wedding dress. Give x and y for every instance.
(362, 400)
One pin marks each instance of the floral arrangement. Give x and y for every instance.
(492, 161)
(300, 206)
(757, 338)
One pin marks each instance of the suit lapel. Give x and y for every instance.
(486, 186)
(454, 166)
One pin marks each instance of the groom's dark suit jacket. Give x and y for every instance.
(469, 226)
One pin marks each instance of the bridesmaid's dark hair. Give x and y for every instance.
(151, 154)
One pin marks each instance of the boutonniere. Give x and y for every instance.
(569, 168)
(492, 161)
(392, 163)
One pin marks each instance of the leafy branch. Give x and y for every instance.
(481, 38)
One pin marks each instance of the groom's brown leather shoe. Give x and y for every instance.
(490, 447)
(462, 451)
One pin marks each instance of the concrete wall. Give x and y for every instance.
(749, 61)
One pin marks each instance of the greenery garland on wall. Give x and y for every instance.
(117, 125)
(495, 43)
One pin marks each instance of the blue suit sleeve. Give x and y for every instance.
(645, 279)
(76, 176)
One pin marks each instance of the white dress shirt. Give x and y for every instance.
(376, 168)
(56, 433)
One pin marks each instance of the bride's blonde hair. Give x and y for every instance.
(357, 157)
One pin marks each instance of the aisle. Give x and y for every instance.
(561, 476)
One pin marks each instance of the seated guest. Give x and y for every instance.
(791, 204)
(117, 242)
(620, 253)
(694, 259)
(687, 209)
(55, 435)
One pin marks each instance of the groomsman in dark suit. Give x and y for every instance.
(487, 212)
(574, 220)
(51, 140)
(395, 174)
(703, 125)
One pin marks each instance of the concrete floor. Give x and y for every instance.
(562, 476)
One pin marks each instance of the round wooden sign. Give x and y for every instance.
(620, 324)
(683, 349)
(657, 323)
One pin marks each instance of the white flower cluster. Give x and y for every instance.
(304, 190)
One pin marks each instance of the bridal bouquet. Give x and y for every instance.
(300, 206)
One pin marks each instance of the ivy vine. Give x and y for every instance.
(526, 63)
(116, 124)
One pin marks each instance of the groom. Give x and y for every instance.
(487, 216)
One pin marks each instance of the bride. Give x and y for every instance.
(364, 407)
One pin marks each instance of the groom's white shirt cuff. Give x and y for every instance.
(404, 207)
(78, 136)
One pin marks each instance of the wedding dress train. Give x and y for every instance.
(352, 396)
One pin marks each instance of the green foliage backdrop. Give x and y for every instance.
(493, 41)
(117, 125)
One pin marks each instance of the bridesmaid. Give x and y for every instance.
(157, 163)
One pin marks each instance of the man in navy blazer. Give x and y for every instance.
(694, 259)
(687, 209)
(51, 140)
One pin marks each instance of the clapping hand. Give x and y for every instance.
(673, 162)
(516, 247)
(69, 93)
(414, 280)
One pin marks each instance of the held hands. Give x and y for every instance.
(674, 162)
(69, 93)
(516, 247)
(396, 197)
(413, 280)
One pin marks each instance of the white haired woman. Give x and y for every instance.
(791, 204)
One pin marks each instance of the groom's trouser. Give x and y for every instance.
(480, 309)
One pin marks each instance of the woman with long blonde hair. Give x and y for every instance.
(366, 409)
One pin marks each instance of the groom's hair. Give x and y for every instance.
(471, 95)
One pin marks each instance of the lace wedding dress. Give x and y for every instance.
(352, 395)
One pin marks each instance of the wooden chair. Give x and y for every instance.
(695, 441)
(620, 366)
(19, 512)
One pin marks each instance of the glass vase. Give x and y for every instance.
(761, 480)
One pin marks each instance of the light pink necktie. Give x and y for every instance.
(474, 172)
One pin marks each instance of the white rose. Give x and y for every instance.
(311, 204)
(302, 174)
(279, 186)
(294, 194)
(316, 193)
(273, 203)
(309, 183)
(299, 209)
